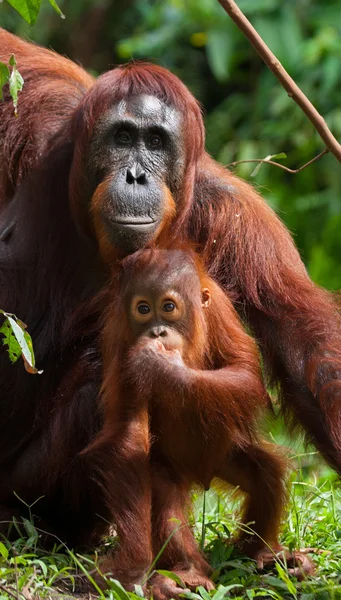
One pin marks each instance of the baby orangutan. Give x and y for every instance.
(184, 380)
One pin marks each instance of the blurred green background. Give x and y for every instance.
(247, 112)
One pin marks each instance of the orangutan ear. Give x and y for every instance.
(205, 297)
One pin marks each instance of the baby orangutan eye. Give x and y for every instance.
(168, 307)
(143, 308)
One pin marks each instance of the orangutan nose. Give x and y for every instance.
(136, 174)
(159, 331)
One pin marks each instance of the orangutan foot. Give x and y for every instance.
(128, 577)
(164, 588)
(298, 564)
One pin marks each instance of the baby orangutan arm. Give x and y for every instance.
(235, 389)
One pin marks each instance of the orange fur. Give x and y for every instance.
(203, 415)
(50, 275)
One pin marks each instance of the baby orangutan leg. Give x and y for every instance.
(260, 472)
(127, 486)
(181, 555)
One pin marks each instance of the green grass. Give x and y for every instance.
(313, 520)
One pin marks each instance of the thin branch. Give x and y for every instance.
(276, 164)
(287, 82)
(8, 590)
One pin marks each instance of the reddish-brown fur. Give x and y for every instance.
(202, 412)
(51, 269)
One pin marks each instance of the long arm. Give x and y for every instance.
(297, 324)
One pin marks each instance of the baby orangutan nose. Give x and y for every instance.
(159, 331)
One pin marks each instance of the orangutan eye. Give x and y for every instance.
(155, 141)
(143, 308)
(123, 137)
(168, 307)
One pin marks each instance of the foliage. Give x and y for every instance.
(249, 115)
(29, 9)
(18, 341)
(10, 74)
(313, 521)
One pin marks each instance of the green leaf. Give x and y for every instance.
(18, 341)
(30, 529)
(118, 588)
(269, 157)
(42, 565)
(279, 155)
(57, 9)
(10, 341)
(18, 560)
(3, 550)
(4, 77)
(24, 341)
(28, 9)
(171, 576)
(203, 593)
(222, 590)
(285, 577)
(16, 83)
(138, 590)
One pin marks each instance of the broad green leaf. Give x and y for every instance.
(42, 565)
(10, 341)
(224, 589)
(16, 83)
(18, 560)
(171, 576)
(4, 77)
(3, 550)
(28, 9)
(118, 588)
(203, 593)
(25, 343)
(18, 341)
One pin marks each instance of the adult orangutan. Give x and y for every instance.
(87, 171)
(183, 390)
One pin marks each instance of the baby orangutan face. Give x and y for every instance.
(161, 317)
(164, 309)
